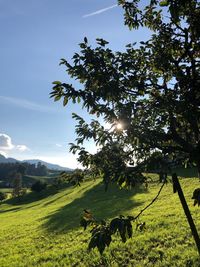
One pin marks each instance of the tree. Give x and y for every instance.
(152, 88)
(2, 196)
(17, 185)
(38, 186)
(157, 163)
(110, 163)
(74, 178)
(41, 169)
(21, 169)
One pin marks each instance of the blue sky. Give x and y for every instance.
(35, 34)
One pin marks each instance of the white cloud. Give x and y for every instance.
(99, 11)
(3, 153)
(22, 148)
(23, 103)
(5, 142)
(7, 145)
(58, 145)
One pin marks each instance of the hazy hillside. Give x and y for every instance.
(35, 161)
(46, 232)
(48, 165)
(7, 160)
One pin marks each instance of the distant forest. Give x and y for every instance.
(8, 169)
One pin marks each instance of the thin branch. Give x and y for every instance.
(151, 201)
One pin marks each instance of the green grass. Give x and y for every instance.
(30, 179)
(6, 190)
(46, 232)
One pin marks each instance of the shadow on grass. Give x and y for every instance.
(186, 172)
(55, 199)
(13, 209)
(32, 197)
(103, 205)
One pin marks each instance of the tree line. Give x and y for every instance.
(7, 170)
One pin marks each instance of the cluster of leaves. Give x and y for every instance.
(196, 196)
(73, 178)
(111, 160)
(152, 88)
(102, 232)
(123, 226)
(86, 219)
(150, 16)
(101, 237)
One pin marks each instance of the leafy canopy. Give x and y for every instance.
(152, 88)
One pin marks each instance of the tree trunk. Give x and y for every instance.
(177, 188)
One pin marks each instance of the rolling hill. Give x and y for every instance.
(50, 166)
(7, 160)
(43, 230)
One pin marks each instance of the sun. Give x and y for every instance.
(114, 126)
(119, 126)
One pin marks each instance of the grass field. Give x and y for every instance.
(6, 190)
(29, 179)
(46, 232)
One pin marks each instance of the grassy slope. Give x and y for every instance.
(30, 179)
(47, 233)
(27, 179)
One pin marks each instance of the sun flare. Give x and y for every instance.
(119, 126)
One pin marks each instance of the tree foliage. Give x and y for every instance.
(101, 233)
(38, 186)
(2, 196)
(101, 237)
(73, 178)
(196, 196)
(17, 185)
(7, 170)
(152, 88)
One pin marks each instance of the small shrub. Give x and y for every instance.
(38, 186)
(2, 196)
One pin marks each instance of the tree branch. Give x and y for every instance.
(151, 201)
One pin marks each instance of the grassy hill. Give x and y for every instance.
(46, 232)
(30, 179)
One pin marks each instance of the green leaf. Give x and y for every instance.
(82, 45)
(101, 42)
(57, 98)
(78, 99)
(164, 3)
(137, 141)
(65, 101)
(85, 40)
(123, 185)
(56, 82)
(186, 164)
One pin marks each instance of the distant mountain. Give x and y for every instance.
(7, 160)
(50, 166)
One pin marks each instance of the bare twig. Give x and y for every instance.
(151, 201)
